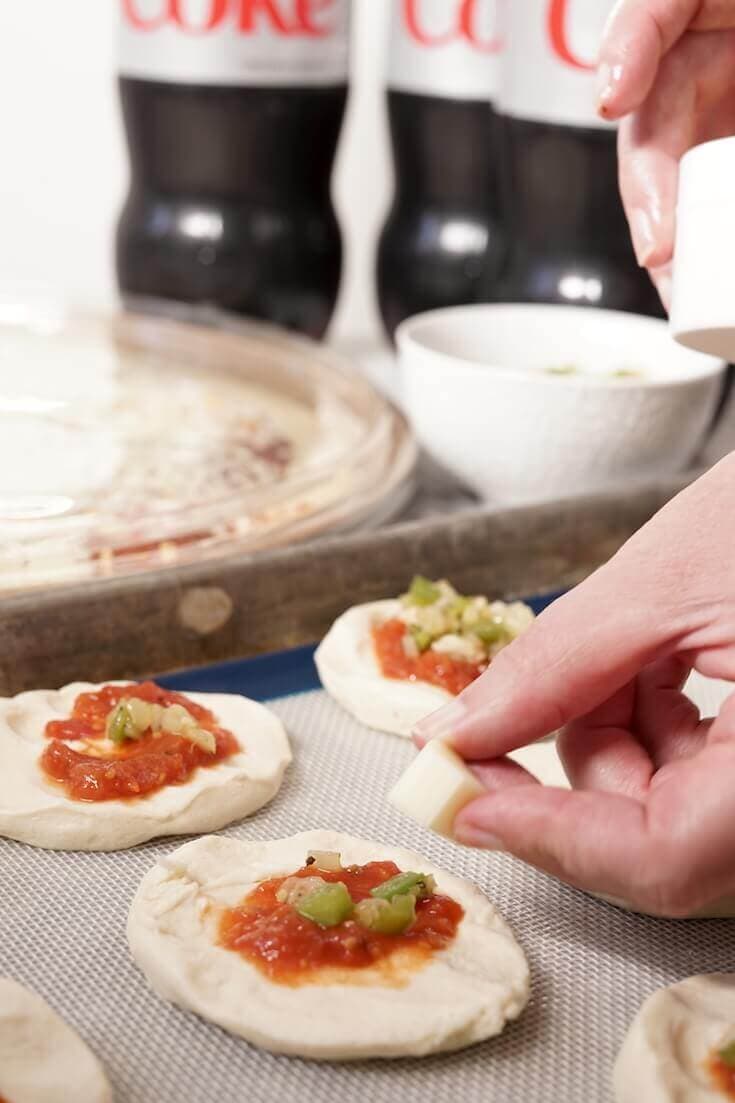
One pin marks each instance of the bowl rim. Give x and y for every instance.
(407, 341)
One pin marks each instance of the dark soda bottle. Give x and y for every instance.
(233, 110)
(442, 239)
(569, 238)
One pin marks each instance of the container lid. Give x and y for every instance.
(707, 174)
(702, 307)
(133, 442)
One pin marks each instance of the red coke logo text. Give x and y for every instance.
(305, 18)
(463, 23)
(557, 22)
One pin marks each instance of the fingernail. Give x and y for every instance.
(644, 240)
(469, 835)
(605, 88)
(608, 78)
(441, 724)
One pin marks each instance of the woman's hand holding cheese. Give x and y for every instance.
(667, 65)
(651, 818)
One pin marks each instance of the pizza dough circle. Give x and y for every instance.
(36, 811)
(663, 1057)
(464, 994)
(39, 1053)
(350, 674)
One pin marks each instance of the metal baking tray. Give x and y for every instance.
(242, 605)
(592, 965)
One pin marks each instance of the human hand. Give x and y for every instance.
(651, 816)
(665, 68)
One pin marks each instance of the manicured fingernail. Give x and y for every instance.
(604, 84)
(469, 835)
(608, 78)
(441, 724)
(644, 240)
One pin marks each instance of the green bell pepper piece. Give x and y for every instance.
(328, 906)
(416, 884)
(727, 1055)
(422, 592)
(389, 917)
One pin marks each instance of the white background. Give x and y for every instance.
(64, 168)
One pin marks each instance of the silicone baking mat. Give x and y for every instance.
(63, 934)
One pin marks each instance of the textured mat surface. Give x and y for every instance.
(63, 934)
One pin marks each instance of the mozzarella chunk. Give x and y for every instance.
(435, 788)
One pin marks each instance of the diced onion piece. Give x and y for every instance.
(435, 788)
(178, 721)
(200, 738)
(517, 618)
(140, 712)
(157, 714)
(466, 649)
(295, 889)
(328, 860)
(176, 718)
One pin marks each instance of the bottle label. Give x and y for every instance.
(235, 42)
(445, 48)
(550, 60)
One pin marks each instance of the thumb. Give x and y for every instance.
(579, 652)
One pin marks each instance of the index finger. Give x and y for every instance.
(639, 33)
(579, 652)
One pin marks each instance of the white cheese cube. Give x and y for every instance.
(435, 788)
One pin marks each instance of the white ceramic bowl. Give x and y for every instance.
(475, 381)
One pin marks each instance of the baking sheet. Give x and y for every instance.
(63, 934)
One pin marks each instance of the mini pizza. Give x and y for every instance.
(41, 1057)
(391, 663)
(327, 947)
(681, 1045)
(107, 767)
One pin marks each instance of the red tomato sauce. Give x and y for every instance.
(723, 1076)
(138, 767)
(292, 950)
(453, 675)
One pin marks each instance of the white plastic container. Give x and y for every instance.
(703, 303)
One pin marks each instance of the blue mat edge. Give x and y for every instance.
(269, 677)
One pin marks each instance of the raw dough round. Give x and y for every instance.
(41, 1058)
(35, 811)
(664, 1056)
(350, 673)
(464, 994)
